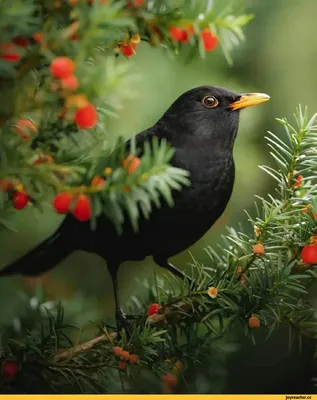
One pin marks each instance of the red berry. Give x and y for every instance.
(153, 309)
(82, 210)
(21, 41)
(179, 34)
(11, 57)
(71, 83)
(10, 368)
(62, 67)
(298, 181)
(86, 117)
(122, 365)
(309, 254)
(20, 200)
(209, 39)
(62, 202)
(128, 49)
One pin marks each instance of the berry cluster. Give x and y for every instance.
(16, 192)
(11, 52)
(183, 34)
(124, 358)
(79, 205)
(62, 69)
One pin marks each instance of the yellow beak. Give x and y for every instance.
(248, 100)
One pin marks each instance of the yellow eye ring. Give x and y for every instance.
(210, 102)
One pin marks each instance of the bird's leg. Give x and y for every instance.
(121, 319)
(163, 262)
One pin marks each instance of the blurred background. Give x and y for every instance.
(279, 57)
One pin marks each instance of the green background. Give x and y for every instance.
(279, 57)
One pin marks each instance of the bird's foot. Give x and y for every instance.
(122, 323)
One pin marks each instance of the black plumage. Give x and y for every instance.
(201, 125)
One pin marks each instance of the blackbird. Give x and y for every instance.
(201, 125)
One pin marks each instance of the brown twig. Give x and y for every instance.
(82, 347)
(169, 314)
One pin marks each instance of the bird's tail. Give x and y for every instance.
(42, 258)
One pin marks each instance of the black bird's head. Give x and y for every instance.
(207, 116)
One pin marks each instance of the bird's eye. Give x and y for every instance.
(210, 101)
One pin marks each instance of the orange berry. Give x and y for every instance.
(86, 117)
(5, 185)
(37, 37)
(131, 163)
(210, 41)
(62, 202)
(122, 365)
(170, 380)
(76, 100)
(258, 249)
(24, 126)
(70, 82)
(125, 355)
(82, 210)
(117, 351)
(254, 322)
(134, 358)
(213, 292)
(107, 171)
(97, 182)
(62, 67)
(20, 200)
(136, 38)
(307, 208)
